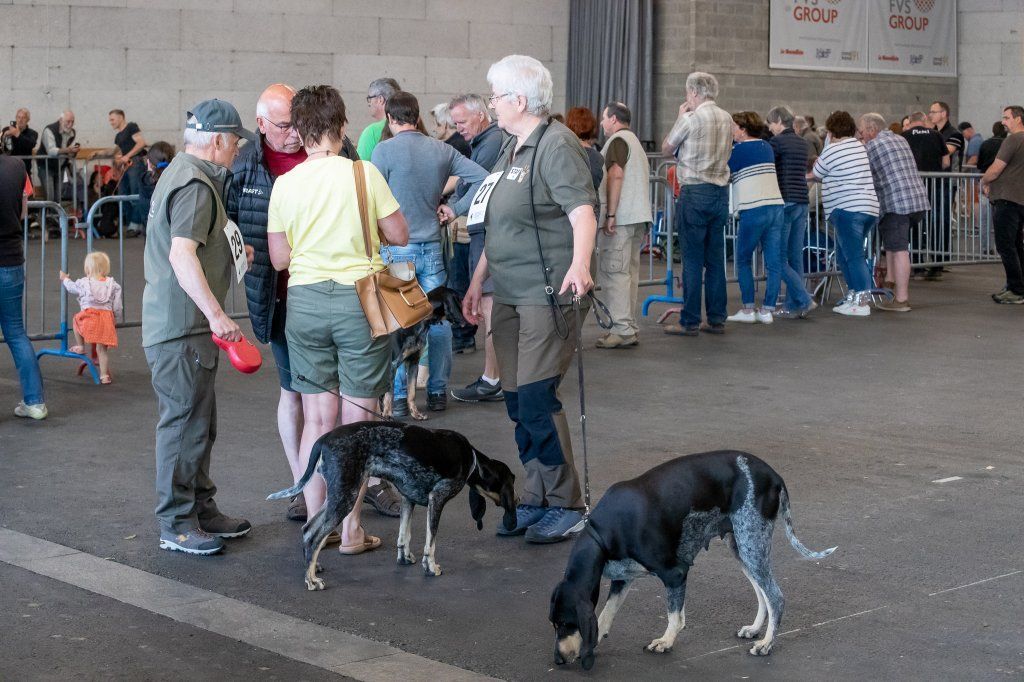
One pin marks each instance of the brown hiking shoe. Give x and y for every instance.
(616, 341)
(894, 306)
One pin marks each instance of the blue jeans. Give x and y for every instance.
(762, 225)
(794, 239)
(132, 183)
(851, 229)
(429, 264)
(12, 288)
(702, 211)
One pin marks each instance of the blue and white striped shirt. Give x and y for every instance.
(754, 182)
(846, 181)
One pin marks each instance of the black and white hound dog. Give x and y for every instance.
(429, 467)
(656, 524)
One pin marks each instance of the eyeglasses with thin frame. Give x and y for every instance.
(494, 98)
(280, 126)
(370, 98)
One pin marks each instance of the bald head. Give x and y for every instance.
(274, 116)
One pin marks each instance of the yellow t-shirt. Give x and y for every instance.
(315, 206)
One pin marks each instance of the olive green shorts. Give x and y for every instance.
(329, 341)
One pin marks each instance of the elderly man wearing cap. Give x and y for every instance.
(192, 251)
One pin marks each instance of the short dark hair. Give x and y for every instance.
(582, 121)
(119, 112)
(403, 107)
(620, 111)
(841, 124)
(964, 125)
(998, 129)
(1016, 111)
(318, 110)
(750, 122)
(943, 106)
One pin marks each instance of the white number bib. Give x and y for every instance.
(237, 247)
(478, 209)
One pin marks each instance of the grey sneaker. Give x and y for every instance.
(1005, 297)
(554, 527)
(195, 541)
(526, 516)
(478, 391)
(38, 411)
(223, 526)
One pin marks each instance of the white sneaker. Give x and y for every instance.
(748, 317)
(764, 316)
(37, 411)
(855, 305)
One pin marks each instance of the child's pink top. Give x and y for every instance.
(92, 293)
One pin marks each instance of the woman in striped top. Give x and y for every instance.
(756, 196)
(851, 207)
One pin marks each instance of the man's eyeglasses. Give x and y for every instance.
(370, 98)
(280, 126)
(494, 98)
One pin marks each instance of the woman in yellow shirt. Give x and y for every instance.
(314, 231)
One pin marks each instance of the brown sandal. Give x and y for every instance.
(369, 543)
(385, 499)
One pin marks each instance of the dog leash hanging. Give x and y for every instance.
(314, 384)
(583, 406)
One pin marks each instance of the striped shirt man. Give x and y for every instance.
(845, 175)
(702, 139)
(897, 183)
(754, 183)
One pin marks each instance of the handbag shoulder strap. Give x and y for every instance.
(361, 199)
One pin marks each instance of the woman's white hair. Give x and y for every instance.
(442, 115)
(199, 139)
(518, 74)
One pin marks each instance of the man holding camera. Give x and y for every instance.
(19, 139)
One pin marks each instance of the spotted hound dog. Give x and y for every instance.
(429, 467)
(656, 524)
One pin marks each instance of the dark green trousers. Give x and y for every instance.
(183, 373)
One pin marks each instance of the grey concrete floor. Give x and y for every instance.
(860, 416)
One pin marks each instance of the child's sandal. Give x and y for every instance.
(105, 379)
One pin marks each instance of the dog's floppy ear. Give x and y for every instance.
(588, 632)
(477, 507)
(453, 308)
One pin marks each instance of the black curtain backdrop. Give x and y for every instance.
(611, 57)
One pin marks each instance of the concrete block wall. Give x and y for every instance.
(155, 58)
(729, 38)
(991, 59)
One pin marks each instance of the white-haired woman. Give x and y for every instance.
(540, 231)
(444, 130)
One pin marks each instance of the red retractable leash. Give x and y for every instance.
(243, 355)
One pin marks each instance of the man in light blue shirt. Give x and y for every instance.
(417, 167)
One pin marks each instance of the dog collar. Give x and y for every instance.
(588, 528)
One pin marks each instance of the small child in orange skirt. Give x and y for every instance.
(100, 297)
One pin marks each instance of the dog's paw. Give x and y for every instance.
(430, 569)
(748, 632)
(314, 584)
(761, 648)
(659, 646)
(405, 558)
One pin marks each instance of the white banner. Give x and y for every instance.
(915, 37)
(822, 35)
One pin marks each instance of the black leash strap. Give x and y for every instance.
(323, 388)
(583, 405)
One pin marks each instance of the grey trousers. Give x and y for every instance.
(183, 373)
(618, 275)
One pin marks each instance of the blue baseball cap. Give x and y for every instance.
(217, 116)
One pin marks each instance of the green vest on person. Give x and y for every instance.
(167, 311)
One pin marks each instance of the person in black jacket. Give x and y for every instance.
(277, 150)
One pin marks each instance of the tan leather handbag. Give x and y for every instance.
(390, 303)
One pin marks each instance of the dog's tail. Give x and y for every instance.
(797, 545)
(314, 458)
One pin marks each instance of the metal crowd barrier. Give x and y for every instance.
(956, 231)
(37, 330)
